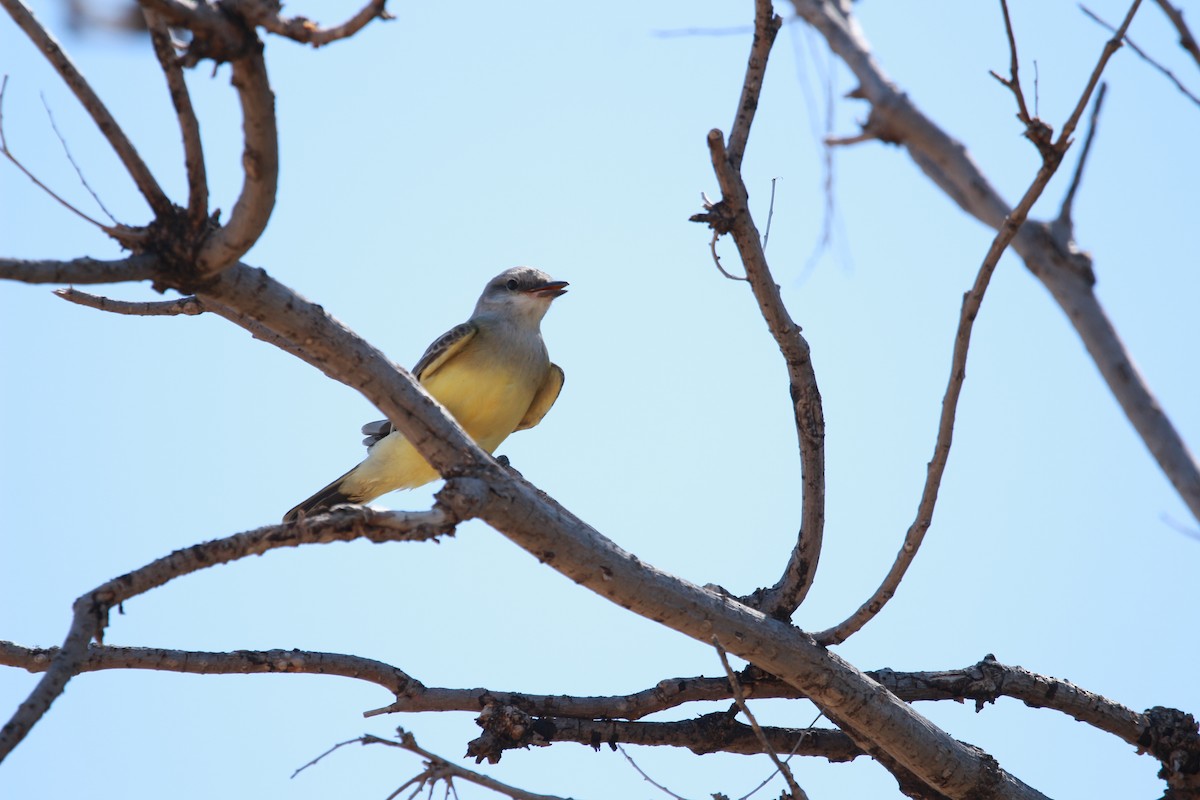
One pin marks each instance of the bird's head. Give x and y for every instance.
(521, 293)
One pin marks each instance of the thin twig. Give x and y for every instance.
(1036, 130)
(305, 31)
(646, 777)
(52, 50)
(1144, 56)
(78, 171)
(739, 698)
(770, 214)
(11, 157)
(970, 310)
(1063, 225)
(187, 306)
(441, 769)
(1186, 39)
(712, 246)
(766, 26)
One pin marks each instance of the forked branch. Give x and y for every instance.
(1052, 155)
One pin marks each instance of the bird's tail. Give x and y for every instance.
(327, 498)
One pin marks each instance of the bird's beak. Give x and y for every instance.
(550, 290)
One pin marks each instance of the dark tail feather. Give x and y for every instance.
(327, 498)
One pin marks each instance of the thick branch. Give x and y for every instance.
(260, 165)
(510, 729)
(566, 543)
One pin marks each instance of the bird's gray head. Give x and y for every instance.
(520, 293)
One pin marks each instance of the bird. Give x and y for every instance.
(492, 373)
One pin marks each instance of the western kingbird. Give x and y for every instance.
(493, 375)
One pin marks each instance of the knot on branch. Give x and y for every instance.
(176, 243)
(1173, 738)
(508, 728)
(717, 216)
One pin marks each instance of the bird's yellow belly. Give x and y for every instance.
(488, 403)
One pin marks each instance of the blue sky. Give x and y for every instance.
(434, 151)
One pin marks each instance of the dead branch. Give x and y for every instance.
(718, 732)
(189, 126)
(187, 306)
(766, 26)
(438, 768)
(160, 204)
(1186, 40)
(732, 215)
(1143, 55)
(1067, 274)
(90, 611)
(304, 30)
(1063, 227)
(260, 163)
(79, 270)
(740, 699)
(1051, 158)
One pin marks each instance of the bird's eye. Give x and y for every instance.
(512, 284)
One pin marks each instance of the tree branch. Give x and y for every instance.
(766, 26)
(1066, 272)
(304, 30)
(260, 165)
(90, 611)
(189, 126)
(159, 203)
(1052, 154)
(732, 215)
(79, 270)
(1186, 39)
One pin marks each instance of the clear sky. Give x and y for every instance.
(430, 153)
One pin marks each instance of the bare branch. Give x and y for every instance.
(7, 153)
(438, 768)
(189, 126)
(79, 270)
(766, 26)
(304, 30)
(1066, 274)
(1186, 39)
(239, 662)
(1063, 227)
(187, 306)
(1142, 54)
(90, 611)
(67, 150)
(160, 204)
(1052, 157)
(1036, 130)
(260, 164)
(732, 215)
(740, 699)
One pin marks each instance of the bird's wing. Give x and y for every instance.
(437, 354)
(444, 348)
(546, 395)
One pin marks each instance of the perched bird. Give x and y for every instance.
(493, 375)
